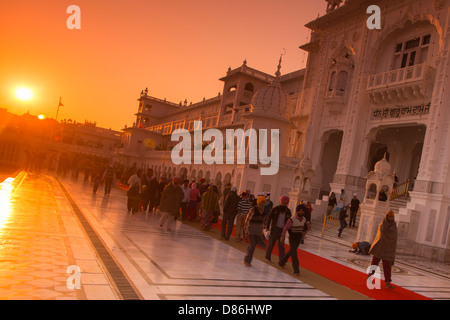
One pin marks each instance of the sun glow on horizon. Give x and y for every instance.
(24, 93)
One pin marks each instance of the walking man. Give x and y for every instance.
(275, 222)
(186, 199)
(134, 192)
(354, 207)
(230, 208)
(244, 207)
(253, 229)
(108, 177)
(170, 204)
(343, 222)
(296, 226)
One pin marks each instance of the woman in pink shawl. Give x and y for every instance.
(191, 209)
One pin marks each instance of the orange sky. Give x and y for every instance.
(178, 48)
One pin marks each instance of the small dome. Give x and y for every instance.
(305, 164)
(383, 166)
(272, 100)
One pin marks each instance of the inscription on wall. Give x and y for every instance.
(400, 112)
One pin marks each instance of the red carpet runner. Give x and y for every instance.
(346, 276)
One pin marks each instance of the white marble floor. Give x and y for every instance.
(184, 263)
(188, 264)
(430, 279)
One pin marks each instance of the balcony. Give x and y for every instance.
(400, 85)
(335, 101)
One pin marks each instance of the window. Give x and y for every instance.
(342, 81)
(232, 88)
(411, 52)
(411, 44)
(296, 183)
(332, 80)
(249, 87)
(340, 84)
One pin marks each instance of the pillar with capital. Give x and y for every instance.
(301, 184)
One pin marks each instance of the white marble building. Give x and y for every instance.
(370, 92)
(364, 93)
(250, 99)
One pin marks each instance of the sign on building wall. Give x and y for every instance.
(400, 112)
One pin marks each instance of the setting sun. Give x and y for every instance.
(24, 93)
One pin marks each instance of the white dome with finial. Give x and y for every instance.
(383, 166)
(272, 100)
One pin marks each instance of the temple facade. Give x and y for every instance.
(366, 94)
(371, 94)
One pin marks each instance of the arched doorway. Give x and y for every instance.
(402, 145)
(330, 157)
(227, 179)
(207, 177)
(183, 174)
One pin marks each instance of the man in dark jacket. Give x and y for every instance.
(108, 177)
(229, 213)
(354, 207)
(275, 222)
(170, 203)
(152, 191)
(145, 187)
(342, 221)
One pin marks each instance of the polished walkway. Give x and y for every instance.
(49, 226)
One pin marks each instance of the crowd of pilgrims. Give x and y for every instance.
(254, 219)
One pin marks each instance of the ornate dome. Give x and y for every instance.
(383, 166)
(272, 99)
